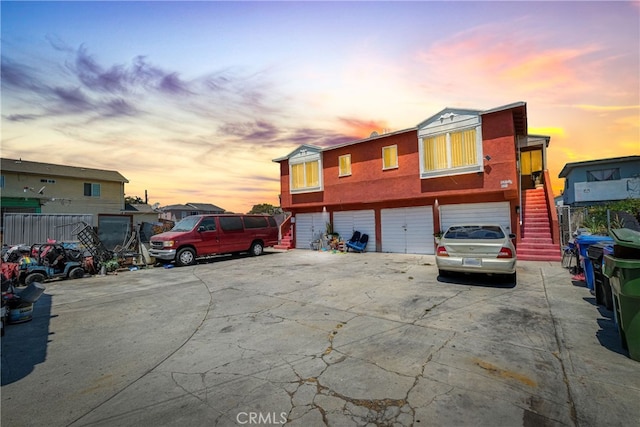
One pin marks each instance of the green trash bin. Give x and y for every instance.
(624, 277)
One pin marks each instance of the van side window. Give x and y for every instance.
(272, 222)
(230, 223)
(255, 222)
(209, 224)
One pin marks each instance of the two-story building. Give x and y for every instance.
(600, 181)
(44, 188)
(403, 187)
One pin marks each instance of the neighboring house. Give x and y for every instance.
(402, 187)
(33, 187)
(177, 212)
(600, 181)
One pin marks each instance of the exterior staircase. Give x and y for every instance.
(286, 241)
(536, 243)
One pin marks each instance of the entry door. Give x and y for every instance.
(407, 230)
(530, 166)
(308, 227)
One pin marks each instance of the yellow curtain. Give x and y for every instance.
(463, 148)
(457, 150)
(345, 165)
(297, 176)
(469, 142)
(435, 153)
(313, 178)
(390, 157)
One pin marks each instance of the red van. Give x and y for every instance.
(199, 236)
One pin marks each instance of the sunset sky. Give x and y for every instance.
(191, 101)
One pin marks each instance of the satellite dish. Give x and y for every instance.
(373, 134)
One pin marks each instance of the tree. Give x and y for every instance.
(133, 200)
(264, 208)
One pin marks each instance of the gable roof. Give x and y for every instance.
(50, 169)
(205, 207)
(566, 170)
(519, 111)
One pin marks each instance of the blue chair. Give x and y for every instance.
(355, 238)
(360, 245)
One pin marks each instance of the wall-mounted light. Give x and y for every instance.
(487, 157)
(517, 210)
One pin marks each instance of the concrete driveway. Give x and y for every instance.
(315, 338)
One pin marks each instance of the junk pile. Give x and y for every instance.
(17, 305)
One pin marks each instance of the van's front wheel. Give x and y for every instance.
(185, 256)
(256, 249)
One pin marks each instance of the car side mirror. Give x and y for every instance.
(512, 236)
(201, 229)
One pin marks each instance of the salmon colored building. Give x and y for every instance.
(403, 187)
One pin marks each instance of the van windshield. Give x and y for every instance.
(186, 224)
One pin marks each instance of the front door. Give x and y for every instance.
(531, 168)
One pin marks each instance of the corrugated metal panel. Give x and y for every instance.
(407, 230)
(364, 221)
(308, 227)
(25, 228)
(476, 213)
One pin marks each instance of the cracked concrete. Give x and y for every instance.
(308, 338)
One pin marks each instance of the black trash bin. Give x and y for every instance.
(602, 287)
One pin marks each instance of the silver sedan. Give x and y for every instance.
(477, 248)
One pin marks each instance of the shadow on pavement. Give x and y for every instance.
(608, 334)
(477, 280)
(24, 345)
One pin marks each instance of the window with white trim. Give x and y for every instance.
(390, 157)
(344, 165)
(305, 176)
(451, 153)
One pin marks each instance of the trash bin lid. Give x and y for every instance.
(589, 239)
(626, 237)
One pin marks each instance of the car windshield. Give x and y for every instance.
(474, 232)
(186, 224)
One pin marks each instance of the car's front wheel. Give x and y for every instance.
(186, 256)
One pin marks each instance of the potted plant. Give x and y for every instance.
(437, 236)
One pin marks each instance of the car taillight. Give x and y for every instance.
(505, 253)
(442, 251)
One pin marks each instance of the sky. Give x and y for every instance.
(191, 101)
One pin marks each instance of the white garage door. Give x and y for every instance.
(308, 228)
(407, 230)
(470, 213)
(364, 221)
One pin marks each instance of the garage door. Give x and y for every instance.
(407, 230)
(308, 228)
(470, 213)
(364, 221)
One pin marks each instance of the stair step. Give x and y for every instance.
(539, 257)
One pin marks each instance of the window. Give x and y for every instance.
(612, 174)
(230, 223)
(305, 175)
(390, 157)
(1, 181)
(345, 165)
(255, 222)
(91, 190)
(208, 224)
(451, 152)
